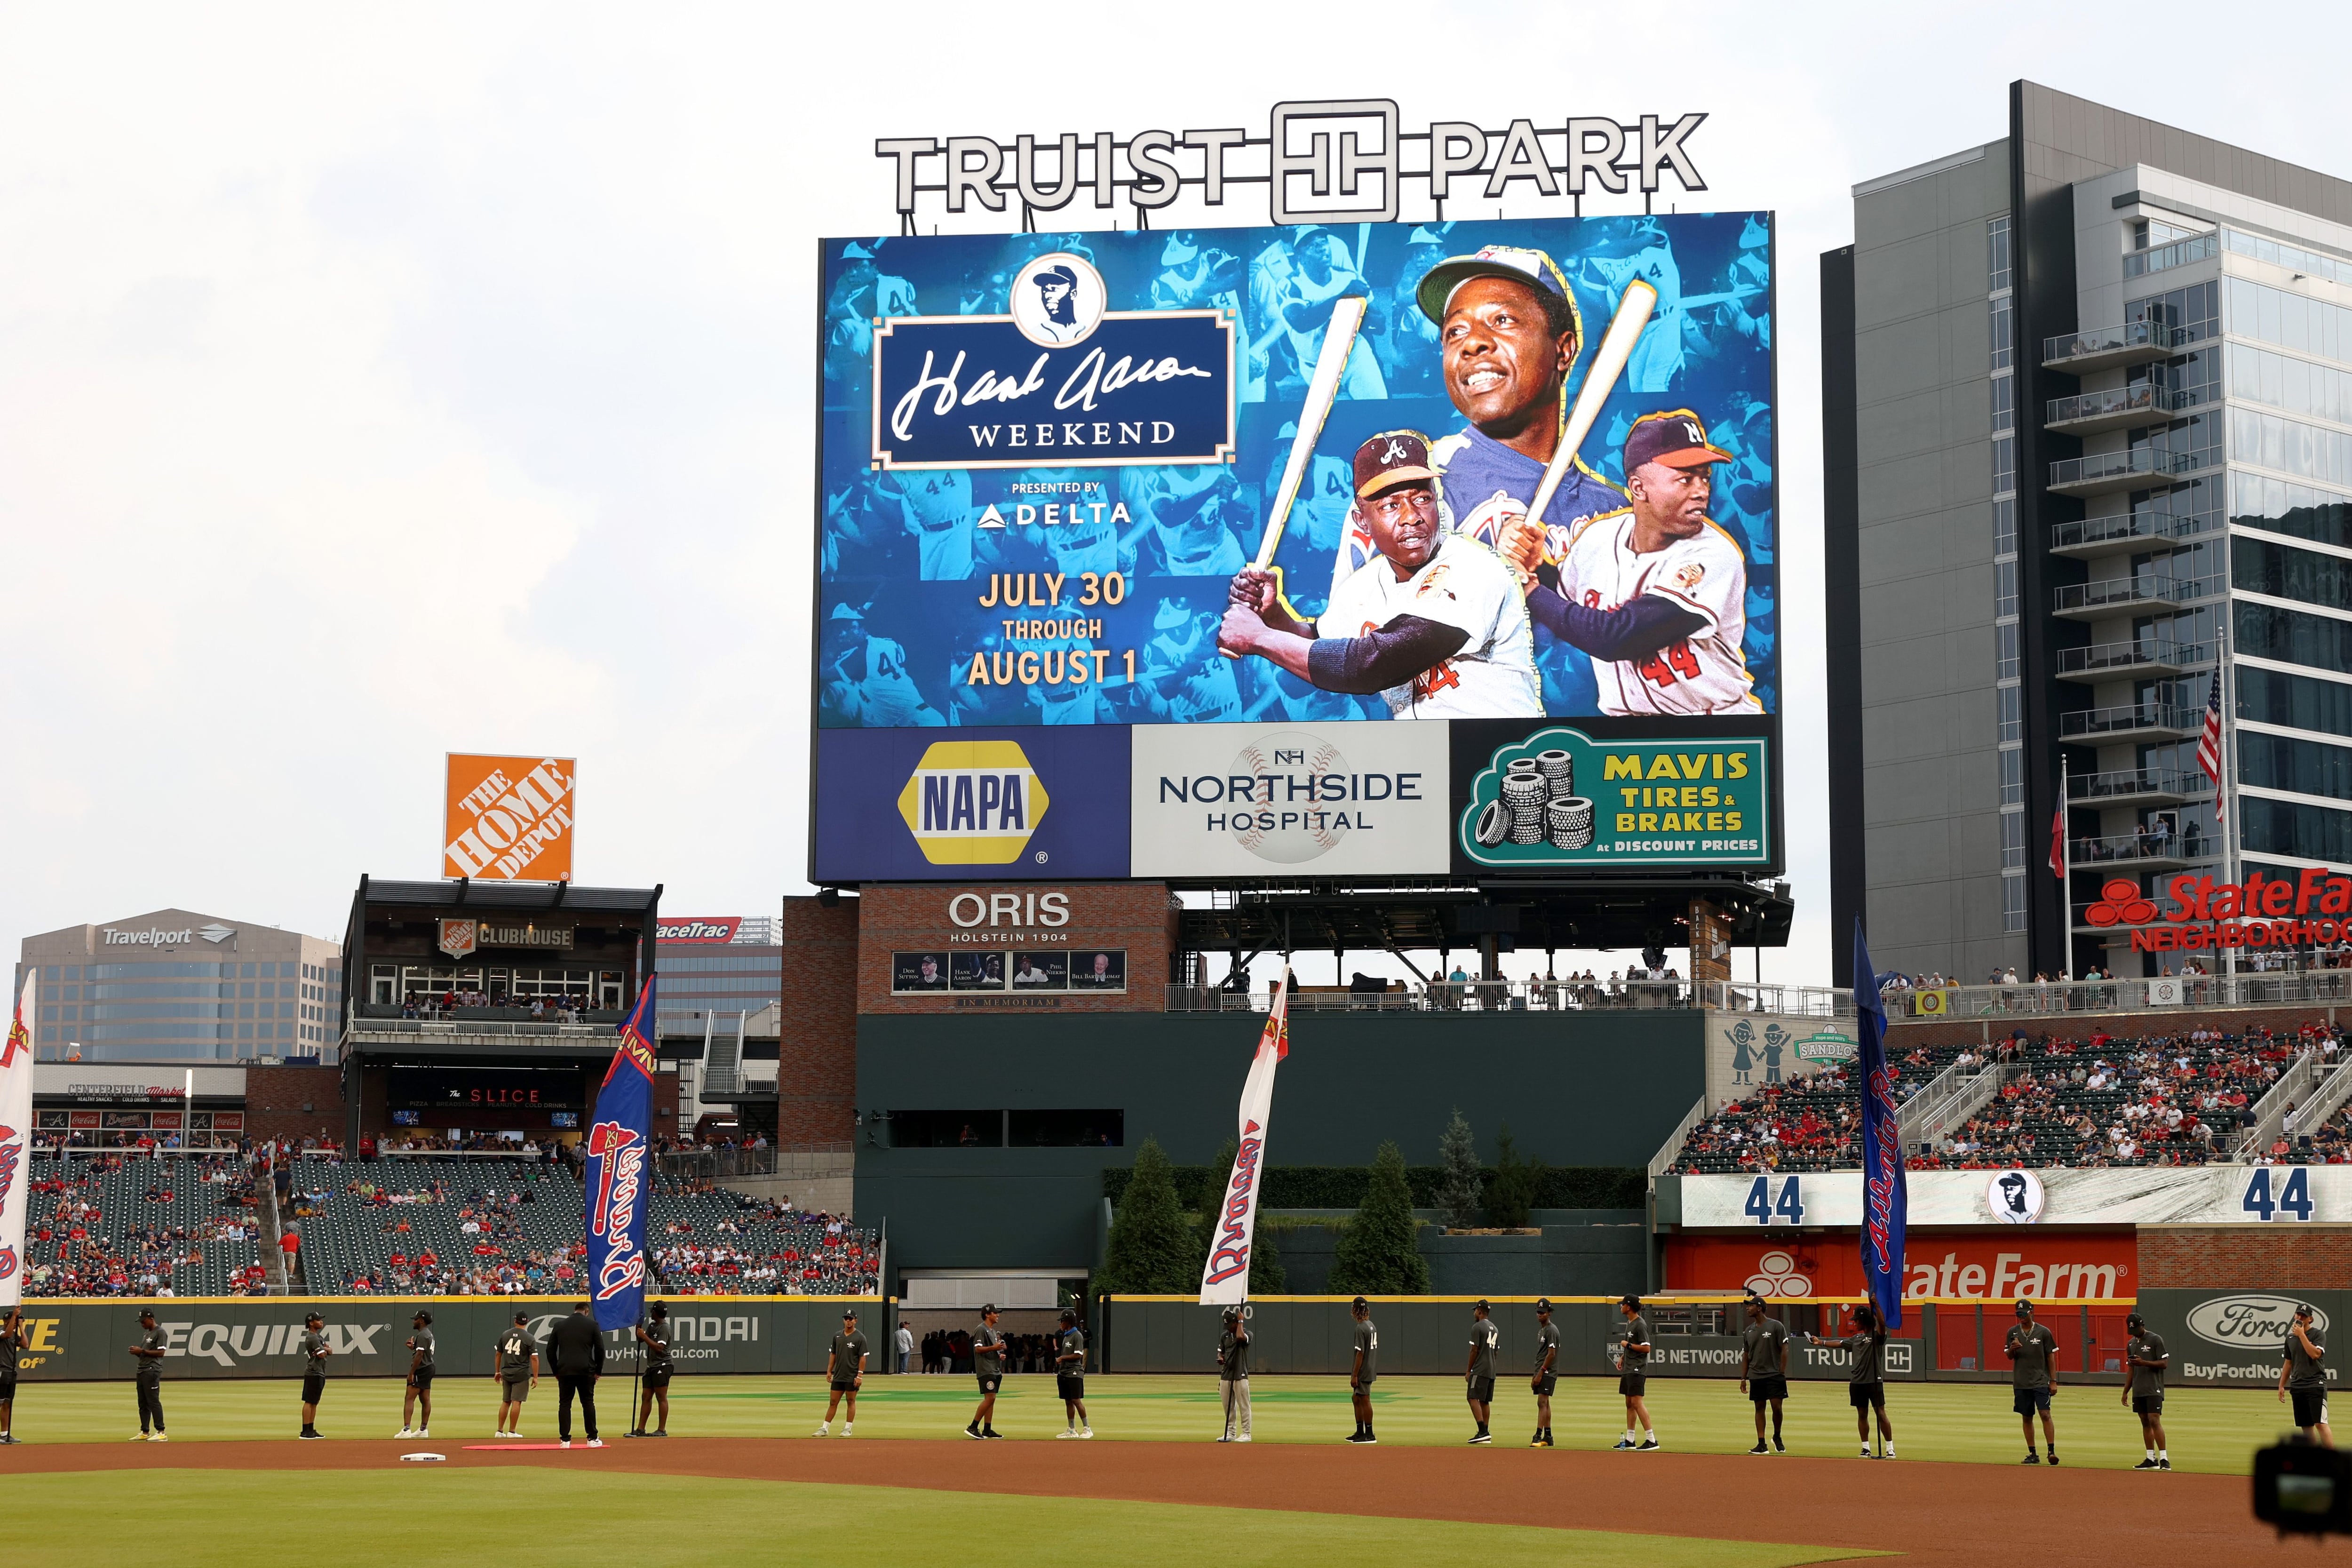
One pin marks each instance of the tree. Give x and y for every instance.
(1266, 1276)
(1154, 1250)
(1457, 1156)
(1517, 1183)
(1377, 1255)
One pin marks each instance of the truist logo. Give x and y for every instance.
(1231, 1257)
(620, 1154)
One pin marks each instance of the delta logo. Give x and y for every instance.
(973, 803)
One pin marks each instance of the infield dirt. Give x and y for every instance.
(1940, 1514)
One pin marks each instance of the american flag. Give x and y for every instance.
(2209, 745)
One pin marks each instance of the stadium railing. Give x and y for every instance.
(2294, 1087)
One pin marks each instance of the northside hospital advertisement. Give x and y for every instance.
(1052, 463)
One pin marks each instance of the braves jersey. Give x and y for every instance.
(1486, 482)
(1466, 585)
(1704, 673)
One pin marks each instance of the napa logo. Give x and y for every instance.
(973, 803)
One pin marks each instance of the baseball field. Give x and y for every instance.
(742, 1478)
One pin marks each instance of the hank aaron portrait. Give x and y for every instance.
(1057, 292)
(1433, 621)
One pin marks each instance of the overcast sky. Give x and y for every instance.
(440, 379)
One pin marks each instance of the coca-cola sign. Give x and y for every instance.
(2249, 1322)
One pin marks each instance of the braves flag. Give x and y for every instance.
(1224, 1279)
(1885, 1194)
(620, 1173)
(16, 1143)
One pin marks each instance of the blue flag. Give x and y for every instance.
(620, 1173)
(1885, 1195)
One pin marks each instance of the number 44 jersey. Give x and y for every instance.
(1706, 574)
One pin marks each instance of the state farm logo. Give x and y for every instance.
(2121, 903)
(973, 803)
(459, 937)
(2240, 1322)
(1777, 1275)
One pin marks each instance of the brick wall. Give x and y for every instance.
(1136, 916)
(2083, 1026)
(273, 1099)
(2246, 1257)
(817, 1053)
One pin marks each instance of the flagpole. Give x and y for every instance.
(2225, 797)
(2065, 872)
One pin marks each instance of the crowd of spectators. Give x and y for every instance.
(130, 1225)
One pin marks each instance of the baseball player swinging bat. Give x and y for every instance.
(1322, 391)
(1522, 542)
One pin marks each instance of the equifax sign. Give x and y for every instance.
(2260, 911)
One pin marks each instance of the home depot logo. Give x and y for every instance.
(973, 803)
(2121, 903)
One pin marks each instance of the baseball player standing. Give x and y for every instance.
(315, 1351)
(417, 1392)
(654, 1334)
(150, 1348)
(845, 1373)
(514, 1367)
(1764, 1370)
(2301, 1376)
(12, 1345)
(1479, 1374)
(1546, 1377)
(1070, 1376)
(1633, 1377)
(1866, 1379)
(1233, 1376)
(2032, 1351)
(2145, 1359)
(988, 1367)
(1361, 1371)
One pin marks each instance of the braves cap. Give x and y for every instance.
(852, 1311)
(2023, 1307)
(1359, 1301)
(1543, 1303)
(1518, 263)
(1629, 1300)
(987, 1308)
(1069, 1316)
(1675, 439)
(1481, 1305)
(2302, 1310)
(1390, 459)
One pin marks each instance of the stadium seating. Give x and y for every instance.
(146, 1225)
(2154, 1099)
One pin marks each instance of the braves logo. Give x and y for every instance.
(19, 1040)
(11, 1154)
(1393, 452)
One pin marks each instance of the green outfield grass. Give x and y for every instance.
(421, 1516)
(2209, 1429)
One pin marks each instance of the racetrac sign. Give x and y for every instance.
(720, 928)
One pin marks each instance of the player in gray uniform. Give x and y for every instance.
(150, 1348)
(514, 1367)
(2145, 1359)
(315, 1351)
(1546, 1376)
(1633, 1378)
(988, 1366)
(2032, 1351)
(1486, 1334)
(1866, 1379)
(1233, 1376)
(1764, 1370)
(11, 1344)
(1362, 1369)
(844, 1371)
(416, 1395)
(1070, 1376)
(654, 1334)
(2302, 1375)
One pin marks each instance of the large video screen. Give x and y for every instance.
(1072, 536)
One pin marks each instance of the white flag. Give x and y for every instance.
(16, 1142)
(1224, 1279)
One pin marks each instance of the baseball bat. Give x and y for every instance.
(1600, 379)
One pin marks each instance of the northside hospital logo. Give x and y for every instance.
(973, 803)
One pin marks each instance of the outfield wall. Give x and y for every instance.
(242, 1336)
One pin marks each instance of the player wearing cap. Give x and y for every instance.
(2145, 1359)
(416, 1393)
(1070, 1376)
(1764, 1370)
(844, 1371)
(151, 1347)
(988, 1367)
(2301, 1376)
(315, 1351)
(1432, 622)
(1508, 335)
(1655, 592)
(1866, 1379)
(1633, 1378)
(2032, 1351)
(1361, 1371)
(1479, 1374)
(1546, 1376)
(1233, 1376)
(11, 1344)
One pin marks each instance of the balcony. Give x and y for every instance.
(2131, 851)
(2118, 409)
(2102, 473)
(2130, 721)
(2109, 347)
(2179, 252)
(2093, 601)
(2137, 786)
(2147, 657)
(2122, 534)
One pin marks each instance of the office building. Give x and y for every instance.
(173, 985)
(2088, 437)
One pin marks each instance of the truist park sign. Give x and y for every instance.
(2260, 911)
(1332, 161)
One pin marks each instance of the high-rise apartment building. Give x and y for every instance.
(2088, 435)
(171, 984)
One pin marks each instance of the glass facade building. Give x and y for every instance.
(171, 984)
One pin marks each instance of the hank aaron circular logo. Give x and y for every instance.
(2015, 1197)
(1058, 299)
(1777, 1275)
(1285, 820)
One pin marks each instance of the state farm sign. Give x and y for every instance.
(508, 819)
(2260, 911)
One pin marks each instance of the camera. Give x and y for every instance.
(2304, 1487)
